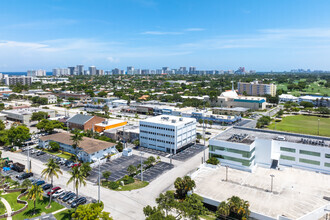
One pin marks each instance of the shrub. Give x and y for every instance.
(213, 161)
(127, 179)
(113, 185)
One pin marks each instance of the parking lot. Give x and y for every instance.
(155, 171)
(188, 152)
(152, 151)
(117, 167)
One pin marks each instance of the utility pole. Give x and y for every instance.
(204, 132)
(318, 126)
(226, 172)
(141, 153)
(99, 187)
(271, 185)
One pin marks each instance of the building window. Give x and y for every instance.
(244, 162)
(327, 164)
(311, 153)
(246, 154)
(288, 149)
(327, 155)
(302, 160)
(287, 158)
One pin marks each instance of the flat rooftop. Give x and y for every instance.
(168, 120)
(110, 122)
(252, 134)
(296, 192)
(26, 111)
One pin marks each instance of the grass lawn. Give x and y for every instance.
(303, 124)
(313, 88)
(2, 208)
(136, 185)
(65, 156)
(12, 200)
(40, 208)
(64, 215)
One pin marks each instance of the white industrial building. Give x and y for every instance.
(287, 98)
(246, 148)
(24, 115)
(167, 133)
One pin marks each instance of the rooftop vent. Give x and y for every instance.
(173, 120)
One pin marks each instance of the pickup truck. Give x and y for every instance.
(18, 167)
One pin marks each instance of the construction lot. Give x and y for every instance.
(295, 193)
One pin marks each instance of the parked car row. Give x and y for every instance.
(70, 198)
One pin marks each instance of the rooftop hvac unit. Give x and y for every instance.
(173, 120)
(180, 119)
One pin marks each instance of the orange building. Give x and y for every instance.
(106, 125)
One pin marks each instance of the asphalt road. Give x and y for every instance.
(125, 204)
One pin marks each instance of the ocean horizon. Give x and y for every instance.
(22, 73)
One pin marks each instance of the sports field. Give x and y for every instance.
(303, 124)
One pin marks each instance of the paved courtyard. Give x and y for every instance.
(153, 172)
(295, 193)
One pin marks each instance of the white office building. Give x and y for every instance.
(287, 98)
(167, 133)
(35, 73)
(246, 148)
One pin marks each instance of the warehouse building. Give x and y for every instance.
(24, 115)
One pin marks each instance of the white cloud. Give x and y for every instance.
(194, 29)
(113, 60)
(161, 33)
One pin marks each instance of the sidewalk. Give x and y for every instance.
(7, 207)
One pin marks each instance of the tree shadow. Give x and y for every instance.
(32, 212)
(66, 215)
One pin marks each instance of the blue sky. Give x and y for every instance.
(210, 34)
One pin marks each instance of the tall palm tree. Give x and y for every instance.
(76, 138)
(78, 178)
(52, 169)
(34, 193)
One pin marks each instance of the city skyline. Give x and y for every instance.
(261, 36)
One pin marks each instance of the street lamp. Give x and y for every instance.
(99, 187)
(271, 184)
(227, 172)
(318, 126)
(141, 153)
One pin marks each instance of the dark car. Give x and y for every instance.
(47, 186)
(64, 194)
(40, 182)
(66, 198)
(24, 176)
(208, 133)
(80, 201)
(53, 190)
(40, 153)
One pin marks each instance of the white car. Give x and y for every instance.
(72, 199)
(58, 193)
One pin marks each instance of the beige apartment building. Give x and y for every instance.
(256, 89)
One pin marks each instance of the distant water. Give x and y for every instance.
(22, 73)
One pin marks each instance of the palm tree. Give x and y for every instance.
(77, 178)
(76, 138)
(85, 169)
(34, 193)
(52, 169)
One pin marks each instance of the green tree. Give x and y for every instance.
(76, 139)
(213, 161)
(52, 169)
(106, 175)
(54, 146)
(306, 104)
(192, 207)
(131, 169)
(18, 134)
(2, 125)
(166, 202)
(183, 186)
(91, 211)
(234, 208)
(48, 125)
(34, 193)
(86, 169)
(38, 116)
(78, 178)
(26, 183)
(102, 94)
(119, 146)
